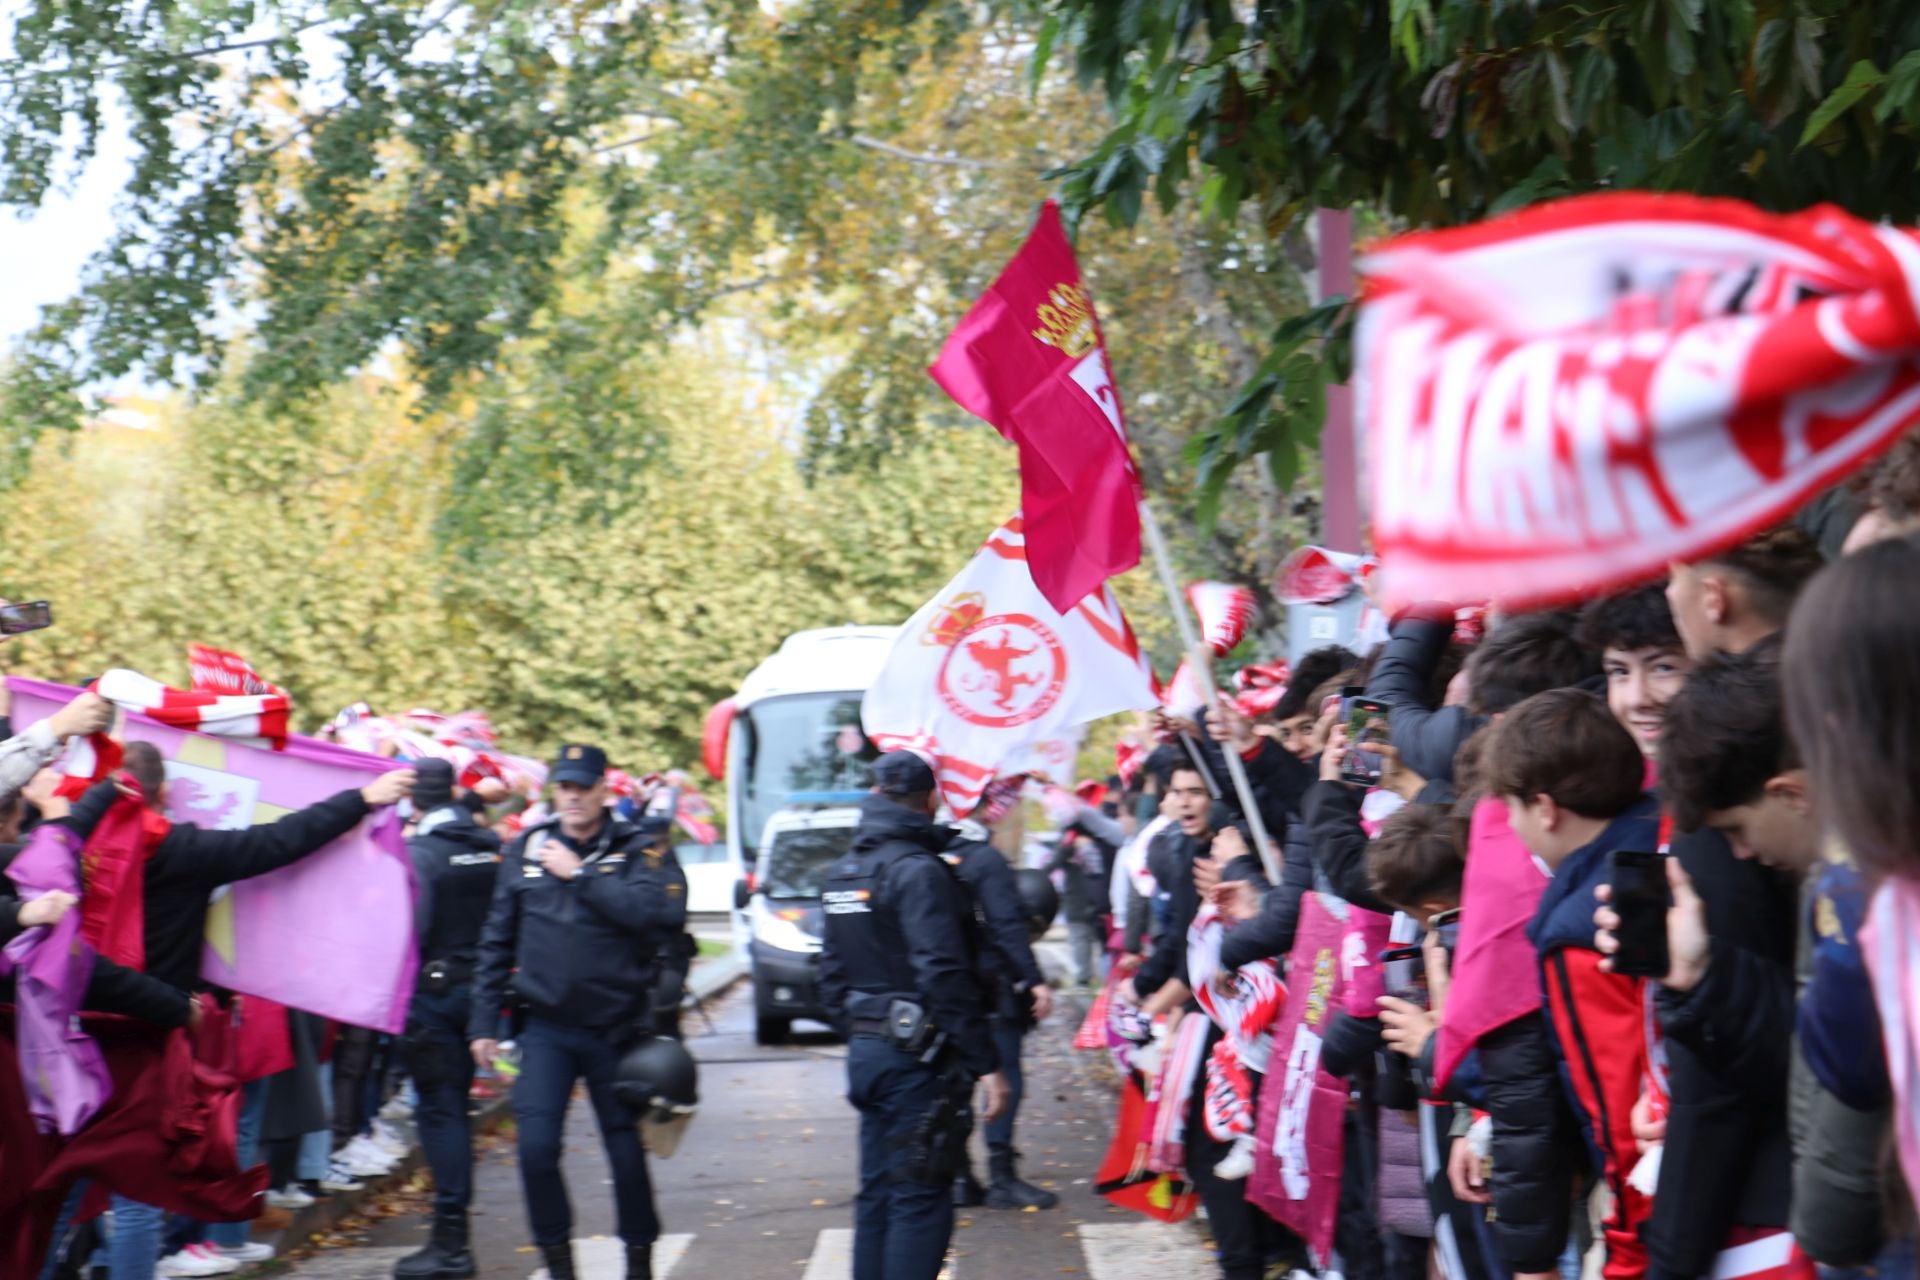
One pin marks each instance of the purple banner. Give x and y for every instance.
(333, 933)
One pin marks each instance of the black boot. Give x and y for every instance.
(1006, 1191)
(559, 1262)
(967, 1191)
(446, 1256)
(639, 1262)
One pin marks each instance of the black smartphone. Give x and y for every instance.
(1403, 972)
(1367, 731)
(1640, 897)
(33, 615)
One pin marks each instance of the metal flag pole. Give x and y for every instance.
(1202, 662)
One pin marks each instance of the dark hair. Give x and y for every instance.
(1185, 764)
(1893, 483)
(1564, 743)
(1416, 857)
(1724, 734)
(1363, 669)
(1773, 566)
(1526, 655)
(1470, 763)
(1636, 619)
(1452, 659)
(144, 761)
(1313, 670)
(1852, 681)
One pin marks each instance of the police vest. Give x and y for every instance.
(864, 929)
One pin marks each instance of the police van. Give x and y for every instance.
(797, 765)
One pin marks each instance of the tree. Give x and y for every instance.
(1439, 113)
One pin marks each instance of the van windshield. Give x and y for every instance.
(804, 748)
(796, 865)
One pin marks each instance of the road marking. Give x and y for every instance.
(1142, 1250)
(605, 1257)
(832, 1255)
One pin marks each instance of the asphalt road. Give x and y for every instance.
(762, 1184)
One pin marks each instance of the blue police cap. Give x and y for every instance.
(579, 764)
(902, 773)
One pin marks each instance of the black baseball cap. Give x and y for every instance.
(432, 784)
(579, 764)
(902, 773)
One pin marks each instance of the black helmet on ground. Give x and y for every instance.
(1039, 900)
(659, 1081)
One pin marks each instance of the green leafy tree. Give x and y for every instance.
(1434, 112)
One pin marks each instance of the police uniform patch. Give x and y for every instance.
(673, 891)
(573, 753)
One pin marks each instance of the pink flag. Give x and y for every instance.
(988, 673)
(1029, 359)
(333, 933)
(1299, 1154)
(1563, 401)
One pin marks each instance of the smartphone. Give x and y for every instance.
(1403, 972)
(1640, 897)
(1366, 720)
(34, 615)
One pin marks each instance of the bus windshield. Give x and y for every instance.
(803, 748)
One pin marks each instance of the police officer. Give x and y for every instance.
(454, 864)
(897, 973)
(584, 909)
(1018, 997)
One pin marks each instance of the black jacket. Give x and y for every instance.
(112, 988)
(1008, 954)
(1271, 932)
(1426, 738)
(1332, 813)
(1727, 1056)
(192, 862)
(1537, 1149)
(924, 904)
(584, 951)
(456, 862)
(1172, 858)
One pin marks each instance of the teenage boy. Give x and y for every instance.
(1731, 601)
(1712, 1123)
(1571, 778)
(1729, 764)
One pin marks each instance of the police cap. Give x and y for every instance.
(579, 764)
(653, 826)
(432, 784)
(902, 773)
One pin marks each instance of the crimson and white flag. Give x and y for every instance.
(1564, 401)
(987, 671)
(224, 671)
(1226, 610)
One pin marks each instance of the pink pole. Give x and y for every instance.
(1339, 454)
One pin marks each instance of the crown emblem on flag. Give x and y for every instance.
(953, 619)
(1066, 320)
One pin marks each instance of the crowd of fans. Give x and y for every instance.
(1517, 1107)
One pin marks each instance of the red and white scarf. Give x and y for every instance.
(260, 718)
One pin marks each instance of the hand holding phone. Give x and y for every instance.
(1366, 720)
(1652, 889)
(32, 615)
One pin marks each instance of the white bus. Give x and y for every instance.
(797, 765)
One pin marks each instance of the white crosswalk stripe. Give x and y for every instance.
(605, 1257)
(832, 1255)
(1143, 1250)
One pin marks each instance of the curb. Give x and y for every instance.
(707, 981)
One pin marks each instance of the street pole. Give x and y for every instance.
(1202, 661)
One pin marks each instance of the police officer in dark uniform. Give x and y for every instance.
(1019, 998)
(455, 861)
(585, 910)
(898, 973)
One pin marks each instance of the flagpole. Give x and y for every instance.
(1200, 659)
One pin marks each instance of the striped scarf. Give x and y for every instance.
(260, 718)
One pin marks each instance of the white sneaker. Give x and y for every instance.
(363, 1158)
(291, 1196)
(340, 1177)
(370, 1145)
(250, 1252)
(389, 1139)
(208, 1253)
(191, 1262)
(399, 1107)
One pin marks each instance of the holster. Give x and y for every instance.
(937, 1148)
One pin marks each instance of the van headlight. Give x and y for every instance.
(781, 930)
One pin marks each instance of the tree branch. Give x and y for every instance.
(919, 157)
